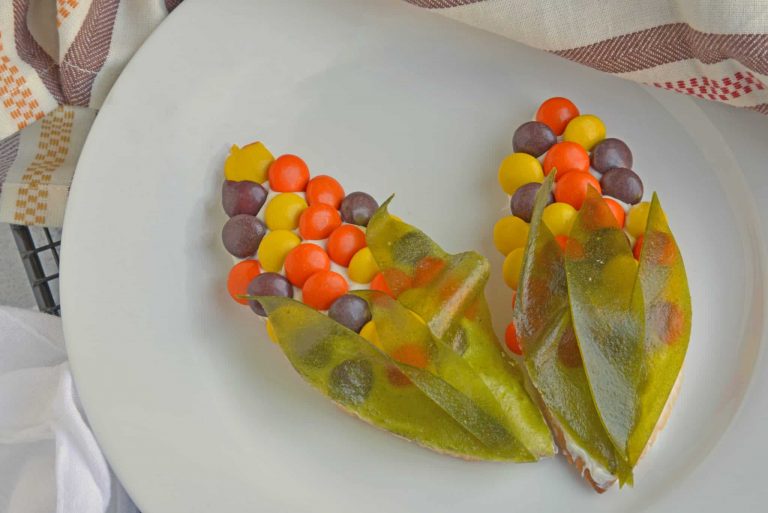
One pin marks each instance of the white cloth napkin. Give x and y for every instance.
(49, 459)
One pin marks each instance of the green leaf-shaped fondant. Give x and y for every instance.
(542, 317)
(365, 381)
(447, 292)
(667, 309)
(442, 374)
(631, 324)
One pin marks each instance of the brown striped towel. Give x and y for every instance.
(59, 58)
(713, 49)
(58, 61)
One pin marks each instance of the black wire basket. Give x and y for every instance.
(39, 250)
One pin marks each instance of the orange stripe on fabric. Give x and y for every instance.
(63, 9)
(15, 94)
(52, 149)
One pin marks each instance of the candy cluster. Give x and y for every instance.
(575, 147)
(299, 237)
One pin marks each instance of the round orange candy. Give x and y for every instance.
(240, 276)
(572, 189)
(617, 209)
(380, 284)
(326, 190)
(411, 354)
(427, 270)
(344, 242)
(448, 287)
(472, 310)
(638, 247)
(303, 261)
(510, 338)
(398, 281)
(574, 249)
(318, 221)
(672, 321)
(556, 113)
(566, 157)
(661, 247)
(562, 241)
(323, 288)
(288, 173)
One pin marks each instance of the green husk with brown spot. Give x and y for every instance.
(447, 292)
(542, 317)
(367, 382)
(632, 322)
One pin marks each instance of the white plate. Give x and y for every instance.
(197, 411)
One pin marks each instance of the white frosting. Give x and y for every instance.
(597, 472)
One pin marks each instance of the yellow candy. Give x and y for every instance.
(510, 233)
(587, 130)
(620, 271)
(559, 218)
(519, 169)
(637, 219)
(283, 211)
(251, 162)
(513, 264)
(274, 247)
(271, 331)
(370, 334)
(362, 267)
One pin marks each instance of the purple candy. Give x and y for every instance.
(268, 284)
(242, 197)
(242, 235)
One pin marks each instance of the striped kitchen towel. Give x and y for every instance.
(713, 49)
(59, 58)
(58, 61)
